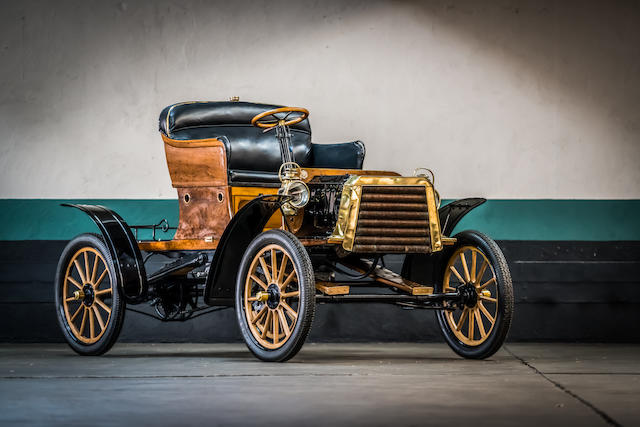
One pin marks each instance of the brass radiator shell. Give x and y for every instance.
(388, 214)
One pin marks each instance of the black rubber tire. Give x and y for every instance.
(505, 301)
(304, 268)
(116, 319)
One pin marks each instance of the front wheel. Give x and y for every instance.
(275, 296)
(476, 268)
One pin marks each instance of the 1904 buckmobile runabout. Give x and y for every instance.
(267, 219)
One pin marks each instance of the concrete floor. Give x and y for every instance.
(327, 384)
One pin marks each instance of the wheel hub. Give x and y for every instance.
(88, 295)
(273, 300)
(468, 294)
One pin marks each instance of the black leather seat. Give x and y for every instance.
(253, 156)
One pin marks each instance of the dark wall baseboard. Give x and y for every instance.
(565, 291)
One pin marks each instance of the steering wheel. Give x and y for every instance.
(268, 119)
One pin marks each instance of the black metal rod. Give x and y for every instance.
(390, 299)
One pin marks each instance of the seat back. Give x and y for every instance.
(248, 148)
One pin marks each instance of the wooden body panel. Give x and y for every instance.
(204, 212)
(198, 170)
(196, 164)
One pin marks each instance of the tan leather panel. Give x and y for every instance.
(202, 214)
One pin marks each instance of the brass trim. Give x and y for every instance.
(434, 219)
(448, 241)
(346, 225)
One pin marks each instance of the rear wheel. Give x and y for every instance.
(477, 269)
(89, 309)
(275, 296)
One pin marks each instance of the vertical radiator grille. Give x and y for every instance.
(393, 219)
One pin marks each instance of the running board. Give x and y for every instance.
(329, 288)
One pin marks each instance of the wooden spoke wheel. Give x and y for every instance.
(88, 304)
(477, 269)
(469, 269)
(275, 296)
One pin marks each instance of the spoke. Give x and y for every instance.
(492, 280)
(99, 317)
(95, 268)
(265, 269)
(482, 269)
(77, 264)
(283, 322)
(76, 313)
(274, 261)
(92, 327)
(259, 315)
(276, 332)
(288, 279)
(480, 324)
(283, 266)
(290, 310)
(473, 266)
(258, 281)
(72, 280)
(482, 297)
(465, 267)
(454, 271)
(84, 318)
(464, 315)
(104, 306)
(102, 292)
(97, 282)
(486, 312)
(266, 325)
(471, 327)
(70, 299)
(290, 294)
(86, 265)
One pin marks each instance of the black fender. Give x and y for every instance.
(451, 214)
(124, 251)
(245, 225)
(427, 268)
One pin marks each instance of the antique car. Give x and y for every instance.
(272, 224)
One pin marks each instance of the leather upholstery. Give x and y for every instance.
(345, 155)
(253, 155)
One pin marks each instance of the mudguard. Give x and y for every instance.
(451, 214)
(245, 225)
(127, 260)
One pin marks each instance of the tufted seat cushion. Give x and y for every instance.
(253, 155)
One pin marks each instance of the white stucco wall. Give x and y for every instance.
(505, 99)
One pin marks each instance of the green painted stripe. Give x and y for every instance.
(597, 220)
(45, 219)
(603, 220)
